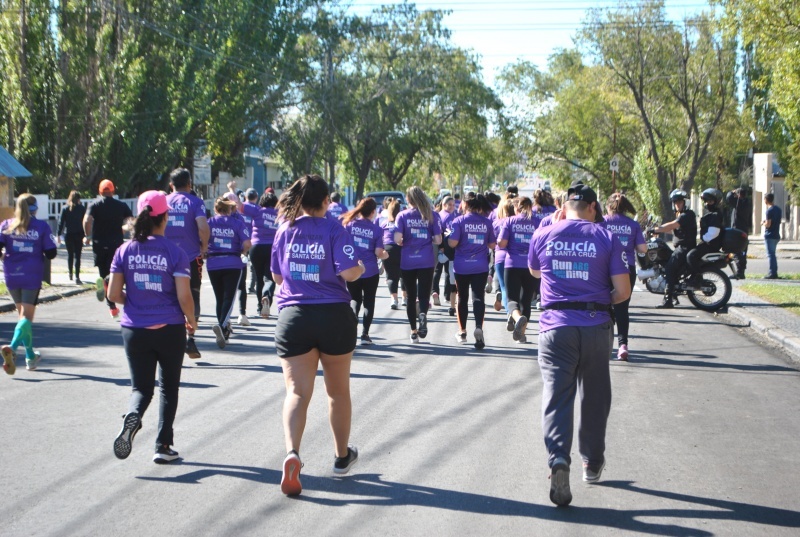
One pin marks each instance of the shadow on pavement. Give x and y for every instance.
(676, 359)
(277, 369)
(93, 378)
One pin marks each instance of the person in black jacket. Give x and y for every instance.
(71, 221)
(741, 218)
(710, 233)
(684, 231)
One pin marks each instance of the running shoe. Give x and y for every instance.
(510, 324)
(423, 325)
(522, 339)
(342, 465)
(366, 340)
(219, 335)
(479, 342)
(519, 327)
(436, 301)
(452, 312)
(290, 479)
(243, 320)
(9, 360)
(622, 353)
(100, 290)
(191, 349)
(414, 337)
(405, 302)
(559, 483)
(227, 330)
(498, 301)
(591, 474)
(123, 443)
(164, 455)
(32, 363)
(395, 305)
(489, 284)
(265, 307)
(78, 281)
(461, 337)
(114, 312)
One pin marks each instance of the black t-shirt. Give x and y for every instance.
(109, 215)
(712, 219)
(686, 234)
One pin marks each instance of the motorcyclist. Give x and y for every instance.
(684, 231)
(710, 233)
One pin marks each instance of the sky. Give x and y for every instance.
(502, 32)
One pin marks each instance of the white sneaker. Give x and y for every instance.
(243, 320)
(461, 337)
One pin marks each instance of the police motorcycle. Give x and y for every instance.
(714, 291)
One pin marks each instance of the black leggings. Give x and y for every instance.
(520, 287)
(392, 267)
(362, 291)
(74, 242)
(478, 284)
(146, 350)
(260, 257)
(243, 292)
(418, 282)
(443, 268)
(621, 314)
(225, 283)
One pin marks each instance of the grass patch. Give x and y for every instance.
(783, 296)
(781, 276)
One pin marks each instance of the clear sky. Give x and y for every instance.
(504, 31)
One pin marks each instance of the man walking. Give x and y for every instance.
(584, 272)
(104, 223)
(187, 227)
(772, 234)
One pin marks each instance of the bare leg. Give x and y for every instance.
(337, 383)
(299, 373)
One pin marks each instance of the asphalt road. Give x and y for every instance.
(702, 439)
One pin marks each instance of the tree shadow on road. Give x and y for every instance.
(695, 360)
(93, 378)
(263, 368)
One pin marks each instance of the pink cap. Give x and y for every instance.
(230, 196)
(154, 199)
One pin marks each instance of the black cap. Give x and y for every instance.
(581, 192)
(576, 182)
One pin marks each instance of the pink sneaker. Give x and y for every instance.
(622, 353)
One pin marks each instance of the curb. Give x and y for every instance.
(49, 298)
(789, 342)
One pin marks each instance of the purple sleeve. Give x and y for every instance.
(455, 225)
(504, 232)
(378, 236)
(400, 223)
(619, 261)
(181, 261)
(244, 232)
(436, 227)
(638, 236)
(277, 251)
(344, 250)
(117, 266)
(533, 259)
(491, 236)
(200, 209)
(48, 241)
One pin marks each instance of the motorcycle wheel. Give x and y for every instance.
(716, 291)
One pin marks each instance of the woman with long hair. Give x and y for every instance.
(392, 263)
(368, 240)
(71, 221)
(230, 242)
(27, 242)
(504, 210)
(629, 232)
(417, 231)
(515, 237)
(265, 223)
(472, 238)
(312, 259)
(447, 211)
(150, 277)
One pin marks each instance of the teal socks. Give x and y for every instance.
(23, 335)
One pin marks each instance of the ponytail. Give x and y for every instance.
(145, 224)
(22, 215)
(308, 192)
(365, 207)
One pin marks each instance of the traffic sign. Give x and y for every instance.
(615, 163)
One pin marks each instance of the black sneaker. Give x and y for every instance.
(559, 483)
(452, 312)
(164, 455)
(510, 323)
(423, 325)
(479, 342)
(366, 340)
(123, 443)
(519, 327)
(191, 349)
(666, 305)
(342, 465)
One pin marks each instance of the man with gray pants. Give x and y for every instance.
(583, 272)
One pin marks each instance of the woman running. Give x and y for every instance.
(265, 222)
(230, 241)
(368, 239)
(628, 231)
(515, 237)
(150, 277)
(504, 210)
(27, 241)
(312, 259)
(71, 221)
(417, 230)
(472, 238)
(446, 214)
(392, 263)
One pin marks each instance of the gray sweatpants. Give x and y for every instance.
(576, 358)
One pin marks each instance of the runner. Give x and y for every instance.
(71, 221)
(265, 223)
(515, 236)
(242, 320)
(368, 239)
(27, 241)
(446, 214)
(230, 240)
(472, 238)
(150, 279)
(247, 209)
(504, 211)
(417, 231)
(392, 263)
(312, 259)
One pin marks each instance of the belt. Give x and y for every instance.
(592, 307)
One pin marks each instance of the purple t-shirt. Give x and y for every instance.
(446, 218)
(150, 269)
(228, 234)
(546, 221)
(474, 234)
(629, 233)
(248, 211)
(310, 255)
(577, 259)
(336, 210)
(499, 253)
(539, 213)
(417, 252)
(264, 221)
(518, 230)
(388, 230)
(184, 210)
(23, 262)
(367, 236)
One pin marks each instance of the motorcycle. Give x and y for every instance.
(714, 291)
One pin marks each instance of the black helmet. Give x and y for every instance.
(677, 195)
(711, 195)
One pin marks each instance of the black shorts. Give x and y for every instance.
(330, 328)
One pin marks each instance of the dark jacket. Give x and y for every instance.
(72, 220)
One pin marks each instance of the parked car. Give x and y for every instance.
(380, 196)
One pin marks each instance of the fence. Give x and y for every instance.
(54, 207)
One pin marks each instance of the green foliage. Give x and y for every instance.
(645, 181)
